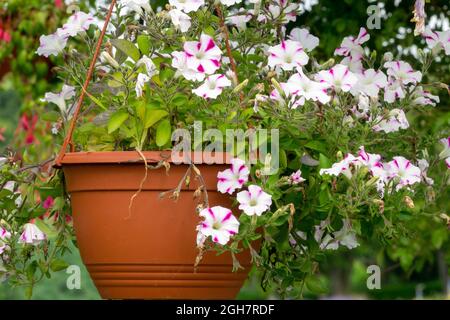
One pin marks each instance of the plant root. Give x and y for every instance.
(130, 206)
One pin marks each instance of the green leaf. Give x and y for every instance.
(127, 47)
(48, 229)
(324, 162)
(317, 146)
(116, 120)
(58, 265)
(163, 132)
(316, 285)
(143, 42)
(153, 116)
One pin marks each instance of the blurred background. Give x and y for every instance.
(416, 269)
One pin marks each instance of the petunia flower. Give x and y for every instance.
(203, 56)
(52, 44)
(254, 201)
(179, 62)
(234, 178)
(351, 45)
(354, 62)
(423, 97)
(296, 177)
(239, 19)
(48, 203)
(149, 66)
(219, 223)
(370, 160)
(230, 2)
(341, 167)
(137, 6)
(213, 86)
(300, 85)
(445, 154)
(187, 5)
(140, 83)
(4, 234)
(59, 99)
(287, 55)
(180, 20)
(369, 83)
(394, 91)
(439, 39)
(345, 237)
(306, 40)
(395, 121)
(78, 22)
(402, 170)
(32, 234)
(338, 78)
(423, 166)
(403, 72)
(286, 97)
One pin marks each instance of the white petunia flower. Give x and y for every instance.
(180, 20)
(203, 56)
(396, 120)
(230, 2)
(78, 22)
(423, 97)
(187, 5)
(32, 234)
(287, 98)
(296, 177)
(52, 44)
(354, 63)
(394, 91)
(4, 235)
(338, 78)
(403, 72)
(300, 85)
(345, 237)
(288, 55)
(307, 40)
(137, 6)
(179, 62)
(402, 170)
(342, 167)
(140, 83)
(351, 45)
(234, 178)
(445, 154)
(369, 83)
(423, 166)
(59, 99)
(219, 224)
(254, 201)
(149, 66)
(213, 86)
(239, 19)
(439, 39)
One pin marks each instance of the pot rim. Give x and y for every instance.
(133, 157)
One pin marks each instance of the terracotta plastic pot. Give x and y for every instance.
(149, 254)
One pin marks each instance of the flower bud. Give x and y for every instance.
(409, 202)
(388, 56)
(327, 64)
(339, 155)
(240, 86)
(372, 182)
(106, 57)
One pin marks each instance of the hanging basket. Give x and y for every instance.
(147, 252)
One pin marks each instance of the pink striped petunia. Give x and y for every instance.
(234, 178)
(288, 55)
(203, 56)
(404, 171)
(254, 201)
(219, 223)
